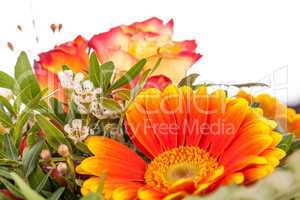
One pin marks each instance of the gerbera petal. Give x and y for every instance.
(216, 109)
(236, 178)
(105, 147)
(175, 103)
(140, 126)
(148, 193)
(126, 192)
(197, 110)
(256, 173)
(90, 185)
(162, 122)
(234, 115)
(117, 160)
(176, 196)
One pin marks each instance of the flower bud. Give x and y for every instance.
(62, 168)
(46, 155)
(63, 150)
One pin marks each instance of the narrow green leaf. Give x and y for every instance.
(157, 64)
(57, 194)
(110, 104)
(43, 182)
(106, 72)
(5, 119)
(53, 135)
(22, 119)
(26, 78)
(25, 189)
(9, 147)
(31, 157)
(13, 189)
(122, 93)
(36, 178)
(5, 173)
(7, 105)
(57, 108)
(188, 80)
(130, 75)
(286, 142)
(94, 70)
(6, 81)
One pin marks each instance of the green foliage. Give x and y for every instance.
(53, 135)
(26, 78)
(130, 75)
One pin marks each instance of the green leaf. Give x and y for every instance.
(25, 189)
(13, 189)
(7, 105)
(5, 173)
(65, 67)
(9, 147)
(189, 80)
(5, 119)
(110, 104)
(57, 108)
(53, 135)
(26, 78)
(122, 93)
(286, 142)
(31, 157)
(130, 75)
(94, 70)
(22, 119)
(56, 195)
(106, 72)
(43, 182)
(36, 178)
(6, 81)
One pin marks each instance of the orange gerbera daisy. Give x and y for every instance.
(194, 142)
(286, 117)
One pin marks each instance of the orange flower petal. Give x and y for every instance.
(117, 160)
(73, 54)
(126, 192)
(175, 103)
(147, 193)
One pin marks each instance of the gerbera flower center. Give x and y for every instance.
(180, 163)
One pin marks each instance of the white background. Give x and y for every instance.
(241, 40)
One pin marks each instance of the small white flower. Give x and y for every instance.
(82, 109)
(79, 77)
(76, 131)
(66, 79)
(87, 86)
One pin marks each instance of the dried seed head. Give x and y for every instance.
(60, 26)
(63, 150)
(10, 46)
(19, 27)
(53, 27)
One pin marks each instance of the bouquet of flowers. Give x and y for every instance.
(115, 117)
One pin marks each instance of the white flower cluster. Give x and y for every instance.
(77, 131)
(69, 80)
(100, 112)
(85, 95)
